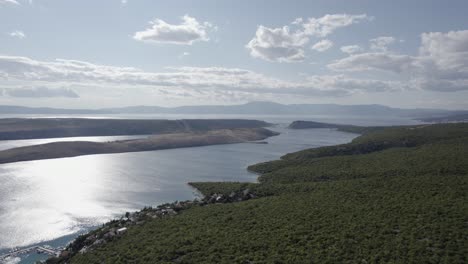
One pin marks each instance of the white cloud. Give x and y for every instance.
(373, 61)
(184, 54)
(441, 65)
(440, 85)
(322, 45)
(186, 33)
(193, 80)
(381, 43)
(17, 34)
(285, 45)
(446, 52)
(440, 44)
(342, 82)
(443, 61)
(297, 21)
(326, 25)
(39, 92)
(277, 44)
(350, 49)
(13, 2)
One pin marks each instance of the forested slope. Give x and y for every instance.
(397, 195)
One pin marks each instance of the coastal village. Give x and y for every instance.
(117, 228)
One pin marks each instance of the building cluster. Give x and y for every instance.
(119, 227)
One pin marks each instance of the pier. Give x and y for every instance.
(38, 249)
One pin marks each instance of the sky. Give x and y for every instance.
(114, 53)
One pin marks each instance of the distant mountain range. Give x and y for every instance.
(252, 108)
(13, 109)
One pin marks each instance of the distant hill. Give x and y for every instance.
(312, 124)
(12, 109)
(270, 108)
(251, 108)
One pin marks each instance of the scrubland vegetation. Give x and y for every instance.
(393, 195)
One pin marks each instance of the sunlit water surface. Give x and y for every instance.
(8, 144)
(51, 201)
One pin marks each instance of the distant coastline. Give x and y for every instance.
(36, 128)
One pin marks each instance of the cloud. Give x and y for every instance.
(186, 79)
(445, 53)
(350, 49)
(13, 2)
(17, 34)
(439, 85)
(285, 45)
(322, 45)
(441, 65)
(186, 33)
(277, 44)
(381, 43)
(342, 82)
(373, 61)
(39, 92)
(326, 25)
(184, 54)
(297, 21)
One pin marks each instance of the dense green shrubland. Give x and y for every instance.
(397, 195)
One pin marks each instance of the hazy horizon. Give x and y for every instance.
(231, 104)
(126, 53)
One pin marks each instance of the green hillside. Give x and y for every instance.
(393, 195)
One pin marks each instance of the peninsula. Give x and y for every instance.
(31, 128)
(154, 142)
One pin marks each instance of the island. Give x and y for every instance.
(154, 142)
(312, 124)
(461, 116)
(34, 128)
(300, 124)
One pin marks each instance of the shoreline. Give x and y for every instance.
(109, 231)
(90, 230)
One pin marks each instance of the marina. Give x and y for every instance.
(16, 252)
